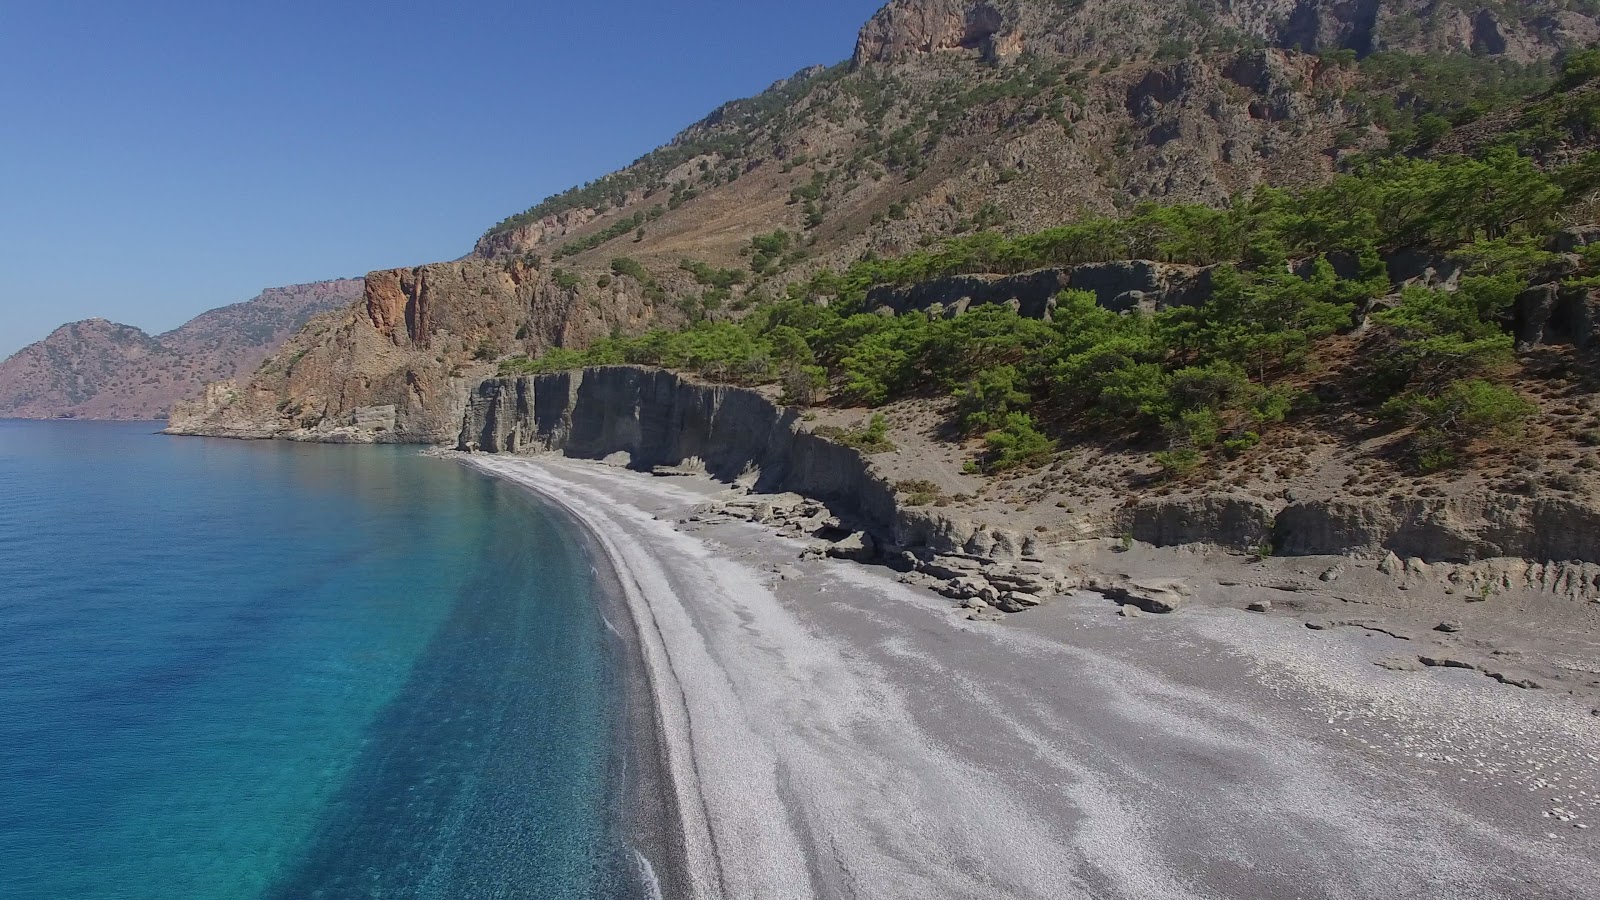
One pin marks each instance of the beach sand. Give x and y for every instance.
(830, 732)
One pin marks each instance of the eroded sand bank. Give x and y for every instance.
(833, 733)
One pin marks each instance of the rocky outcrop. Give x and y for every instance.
(665, 423)
(1444, 530)
(1000, 29)
(97, 369)
(415, 342)
(906, 28)
(1225, 520)
(1557, 314)
(1121, 286)
(660, 420)
(807, 484)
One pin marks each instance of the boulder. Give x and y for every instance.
(858, 546)
(1011, 602)
(1155, 595)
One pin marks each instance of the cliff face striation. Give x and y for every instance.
(97, 369)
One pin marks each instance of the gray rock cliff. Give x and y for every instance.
(662, 420)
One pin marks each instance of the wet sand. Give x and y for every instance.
(829, 732)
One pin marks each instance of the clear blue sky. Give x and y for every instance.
(159, 159)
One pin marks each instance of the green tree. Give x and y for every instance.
(1016, 443)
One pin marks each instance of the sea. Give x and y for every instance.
(272, 670)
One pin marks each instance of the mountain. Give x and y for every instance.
(953, 117)
(95, 369)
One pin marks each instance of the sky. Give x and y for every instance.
(159, 159)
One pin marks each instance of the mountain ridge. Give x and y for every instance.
(954, 117)
(98, 369)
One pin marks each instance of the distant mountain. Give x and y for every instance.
(96, 369)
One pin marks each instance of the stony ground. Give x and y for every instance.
(849, 735)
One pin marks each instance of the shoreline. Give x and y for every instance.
(646, 804)
(650, 798)
(833, 733)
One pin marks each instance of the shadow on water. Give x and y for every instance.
(489, 775)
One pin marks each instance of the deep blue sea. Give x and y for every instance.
(272, 670)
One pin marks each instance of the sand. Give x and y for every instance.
(830, 732)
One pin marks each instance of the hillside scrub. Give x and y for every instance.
(1206, 379)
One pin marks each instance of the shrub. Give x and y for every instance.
(802, 384)
(631, 268)
(1438, 336)
(873, 437)
(988, 398)
(1464, 411)
(919, 492)
(1016, 443)
(1580, 67)
(1179, 462)
(1196, 429)
(1236, 446)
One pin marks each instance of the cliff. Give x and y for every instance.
(395, 366)
(97, 369)
(661, 420)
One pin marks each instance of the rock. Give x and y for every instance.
(1575, 238)
(1513, 681)
(1129, 611)
(1260, 606)
(1317, 625)
(1012, 602)
(1026, 584)
(949, 567)
(1332, 573)
(1445, 662)
(1235, 521)
(1399, 664)
(858, 546)
(1448, 627)
(682, 470)
(1156, 595)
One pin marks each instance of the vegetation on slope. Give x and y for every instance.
(1296, 273)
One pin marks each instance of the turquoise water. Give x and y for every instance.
(241, 670)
